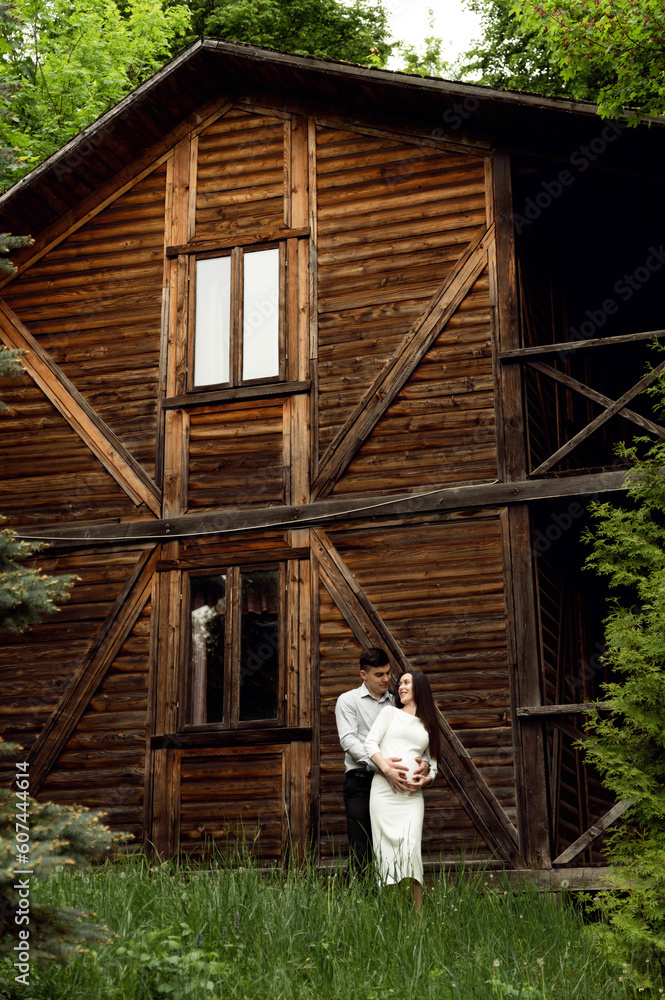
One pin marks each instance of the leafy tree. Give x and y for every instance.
(620, 41)
(353, 32)
(68, 61)
(428, 62)
(515, 54)
(628, 745)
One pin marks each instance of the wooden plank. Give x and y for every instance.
(211, 736)
(598, 421)
(537, 711)
(116, 628)
(506, 333)
(416, 503)
(567, 346)
(594, 831)
(416, 138)
(78, 413)
(456, 765)
(406, 358)
(268, 234)
(526, 688)
(240, 392)
(297, 793)
(310, 295)
(597, 397)
(176, 457)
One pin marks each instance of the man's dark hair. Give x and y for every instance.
(373, 658)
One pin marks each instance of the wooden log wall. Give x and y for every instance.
(103, 762)
(236, 455)
(94, 303)
(35, 488)
(38, 665)
(391, 293)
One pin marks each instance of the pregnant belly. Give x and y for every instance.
(411, 763)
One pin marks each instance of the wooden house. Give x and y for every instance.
(317, 358)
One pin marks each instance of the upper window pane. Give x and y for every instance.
(212, 341)
(260, 355)
(259, 645)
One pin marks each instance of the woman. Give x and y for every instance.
(408, 730)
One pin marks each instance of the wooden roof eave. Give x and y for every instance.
(210, 68)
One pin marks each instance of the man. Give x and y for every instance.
(355, 713)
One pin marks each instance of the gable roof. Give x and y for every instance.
(209, 68)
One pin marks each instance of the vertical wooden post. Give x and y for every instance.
(519, 581)
(162, 791)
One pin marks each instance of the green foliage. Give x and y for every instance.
(628, 746)
(513, 54)
(353, 32)
(429, 61)
(7, 244)
(317, 935)
(623, 41)
(70, 60)
(172, 963)
(25, 592)
(58, 837)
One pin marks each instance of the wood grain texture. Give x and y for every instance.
(79, 414)
(107, 643)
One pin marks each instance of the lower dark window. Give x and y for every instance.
(235, 648)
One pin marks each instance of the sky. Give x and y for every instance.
(456, 25)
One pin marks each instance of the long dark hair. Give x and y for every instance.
(425, 709)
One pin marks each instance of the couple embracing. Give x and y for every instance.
(391, 745)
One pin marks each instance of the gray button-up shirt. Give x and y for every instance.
(355, 713)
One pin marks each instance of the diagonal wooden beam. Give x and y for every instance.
(78, 413)
(464, 778)
(119, 622)
(592, 833)
(597, 397)
(401, 365)
(598, 421)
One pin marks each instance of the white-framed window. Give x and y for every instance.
(237, 317)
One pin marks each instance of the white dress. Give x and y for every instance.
(397, 818)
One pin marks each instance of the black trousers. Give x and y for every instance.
(357, 785)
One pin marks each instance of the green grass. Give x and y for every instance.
(249, 935)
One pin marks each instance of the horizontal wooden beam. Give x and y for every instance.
(329, 511)
(594, 831)
(266, 235)
(538, 711)
(240, 392)
(210, 737)
(566, 346)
